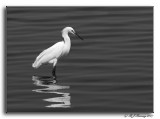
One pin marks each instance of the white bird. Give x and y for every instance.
(52, 54)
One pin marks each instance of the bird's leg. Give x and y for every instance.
(54, 71)
(54, 68)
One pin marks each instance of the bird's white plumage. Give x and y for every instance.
(53, 53)
(49, 55)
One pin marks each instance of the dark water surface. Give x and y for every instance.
(110, 71)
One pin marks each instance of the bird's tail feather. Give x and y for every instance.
(36, 65)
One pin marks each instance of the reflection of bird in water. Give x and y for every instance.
(63, 98)
(48, 82)
(53, 53)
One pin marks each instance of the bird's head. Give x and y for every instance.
(71, 30)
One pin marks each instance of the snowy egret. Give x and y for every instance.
(52, 54)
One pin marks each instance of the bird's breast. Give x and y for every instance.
(65, 50)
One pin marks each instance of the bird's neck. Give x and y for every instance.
(67, 40)
(67, 43)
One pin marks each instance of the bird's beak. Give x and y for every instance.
(78, 36)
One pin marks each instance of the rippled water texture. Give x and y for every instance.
(110, 71)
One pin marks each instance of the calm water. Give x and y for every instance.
(110, 71)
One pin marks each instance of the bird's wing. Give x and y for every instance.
(41, 54)
(49, 54)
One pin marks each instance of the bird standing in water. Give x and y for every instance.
(52, 54)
